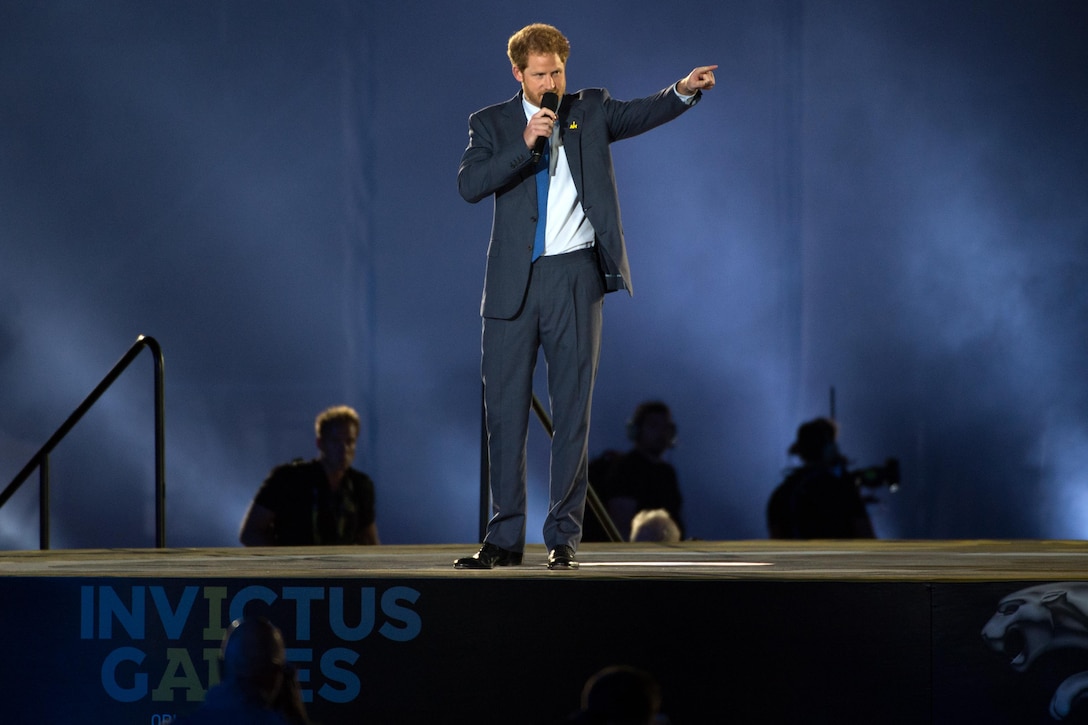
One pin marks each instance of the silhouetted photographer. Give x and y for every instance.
(822, 498)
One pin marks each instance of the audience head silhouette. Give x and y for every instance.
(258, 686)
(254, 657)
(654, 525)
(621, 695)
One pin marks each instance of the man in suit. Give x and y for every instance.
(546, 277)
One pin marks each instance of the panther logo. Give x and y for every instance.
(1040, 619)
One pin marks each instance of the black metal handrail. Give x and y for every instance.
(594, 501)
(40, 460)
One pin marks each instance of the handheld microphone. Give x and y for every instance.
(551, 102)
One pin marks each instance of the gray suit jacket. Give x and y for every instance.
(497, 163)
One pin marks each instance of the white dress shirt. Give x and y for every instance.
(567, 229)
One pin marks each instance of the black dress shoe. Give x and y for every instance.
(562, 557)
(488, 557)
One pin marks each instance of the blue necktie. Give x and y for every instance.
(542, 200)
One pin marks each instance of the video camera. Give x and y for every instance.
(877, 476)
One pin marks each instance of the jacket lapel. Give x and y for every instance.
(570, 132)
(514, 119)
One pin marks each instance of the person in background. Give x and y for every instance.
(818, 500)
(654, 525)
(319, 502)
(640, 479)
(257, 686)
(619, 695)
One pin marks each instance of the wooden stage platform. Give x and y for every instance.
(857, 561)
(735, 631)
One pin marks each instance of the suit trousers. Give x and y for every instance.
(562, 315)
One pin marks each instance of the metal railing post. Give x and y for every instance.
(160, 444)
(43, 503)
(40, 459)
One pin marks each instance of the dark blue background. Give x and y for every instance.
(885, 198)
